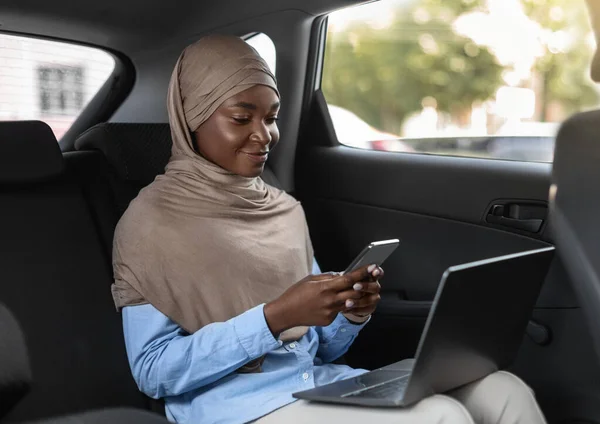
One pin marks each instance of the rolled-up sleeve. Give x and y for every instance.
(337, 337)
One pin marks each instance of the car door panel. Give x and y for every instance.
(424, 182)
(429, 245)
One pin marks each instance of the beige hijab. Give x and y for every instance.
(201, 244)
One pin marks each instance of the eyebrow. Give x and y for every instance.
(252, 106)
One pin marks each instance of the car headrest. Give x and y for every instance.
(15, 370)
(29, 152)
(137, 152)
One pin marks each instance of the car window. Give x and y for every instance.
(265, 47)
(478, 78)
(49, 81)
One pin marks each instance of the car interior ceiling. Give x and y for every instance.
(60, 203)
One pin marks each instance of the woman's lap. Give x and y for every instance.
(500, 398)
(436, 409)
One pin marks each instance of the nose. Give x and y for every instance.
(261, 134)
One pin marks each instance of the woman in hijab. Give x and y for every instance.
(225, 311)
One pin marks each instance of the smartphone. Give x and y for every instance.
(375, 253)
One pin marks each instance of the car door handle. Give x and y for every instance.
(530, 225)
(522, 217)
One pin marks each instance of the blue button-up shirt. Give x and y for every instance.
(195, 373)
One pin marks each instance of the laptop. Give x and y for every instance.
(475, 328)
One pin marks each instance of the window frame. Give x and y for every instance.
(314, 102)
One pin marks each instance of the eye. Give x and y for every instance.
(242, 120)
(272, 120)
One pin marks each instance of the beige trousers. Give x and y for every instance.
(500, 398)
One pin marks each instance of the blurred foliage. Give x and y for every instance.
(384, 74)
(564, 71)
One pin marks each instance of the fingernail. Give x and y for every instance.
(357, 287)
(376, 272)
(349, 303)
(371, 268)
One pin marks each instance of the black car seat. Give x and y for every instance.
(575, 210)
(56, 281)
(15, 381)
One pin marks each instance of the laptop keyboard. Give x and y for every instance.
(389, 389)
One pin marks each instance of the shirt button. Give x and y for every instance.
(343, 330)
(305, 376)
(292, 345)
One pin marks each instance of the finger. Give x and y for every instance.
(365, 287)
(377, 273)
(348, 297)
(365, 302)
(346, 281)
(323, 277)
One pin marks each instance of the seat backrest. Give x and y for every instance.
(575, 209)
(56, 281)
(136, 154)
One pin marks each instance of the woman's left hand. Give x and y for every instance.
(370, 289)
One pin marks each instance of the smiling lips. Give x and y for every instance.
(257, 156)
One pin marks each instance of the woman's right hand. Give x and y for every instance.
(313, 301)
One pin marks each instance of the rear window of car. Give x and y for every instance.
(477, 78)
(265, 47)
(48, 80)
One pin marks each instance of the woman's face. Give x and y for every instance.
(240, 133)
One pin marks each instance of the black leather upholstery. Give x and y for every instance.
(15, 372)
(575, 209)
(27, 155)
(91, 171)
(137, 152)
(15, 380)
(56, 281)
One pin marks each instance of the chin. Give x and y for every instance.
(252, 173)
